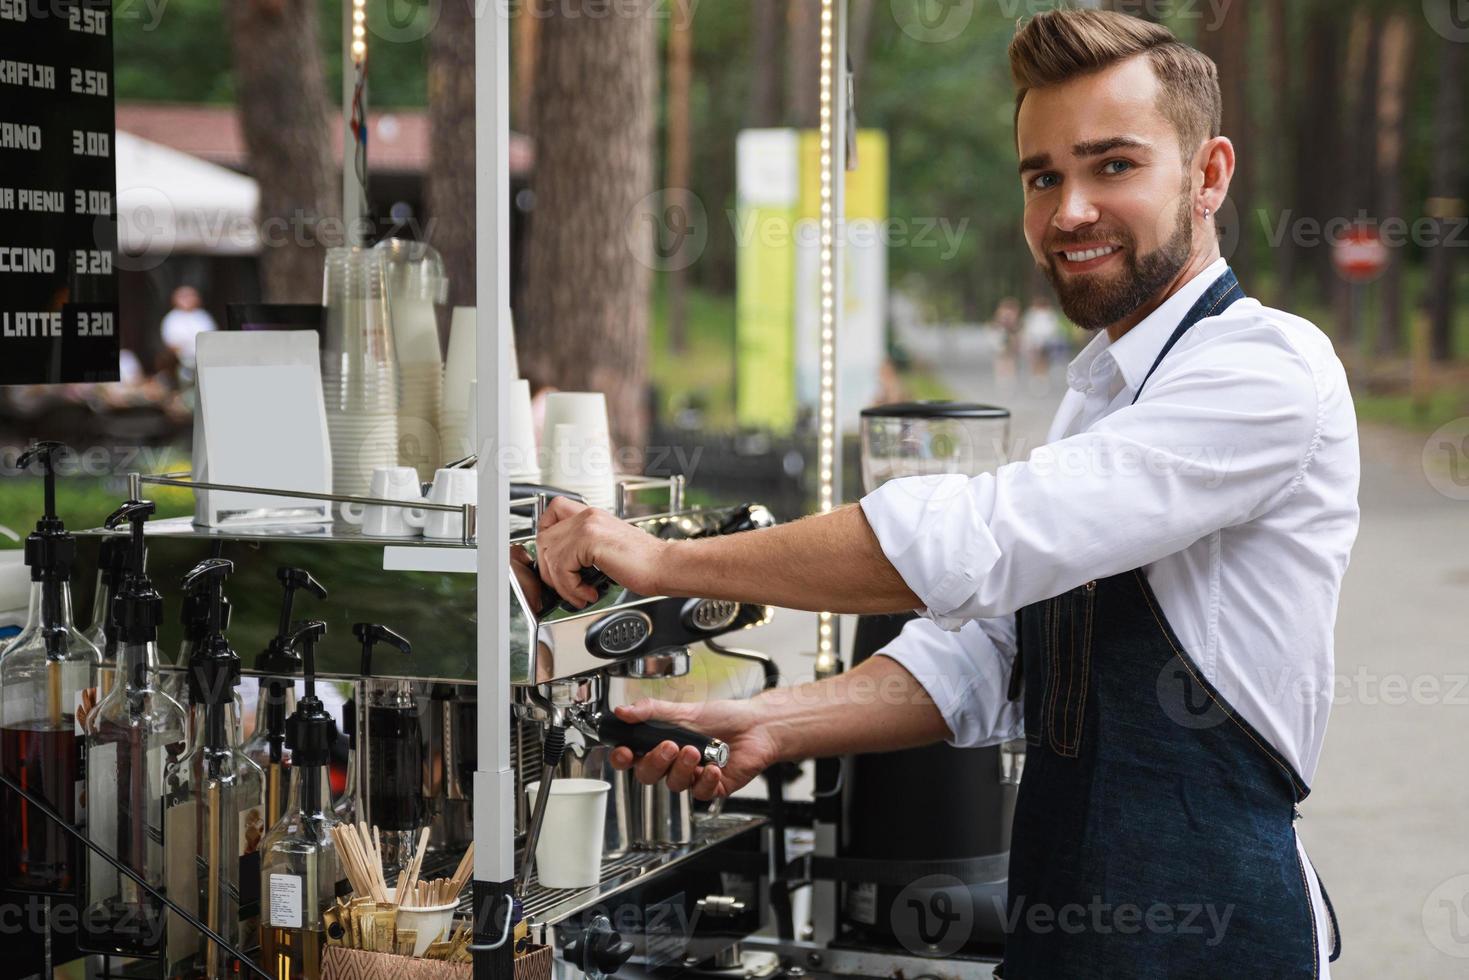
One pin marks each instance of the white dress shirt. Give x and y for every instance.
(1232, 482)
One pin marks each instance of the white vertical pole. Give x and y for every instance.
(494, 783)
(833, 179)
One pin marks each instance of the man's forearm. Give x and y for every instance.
(831, 562)
(876, 707)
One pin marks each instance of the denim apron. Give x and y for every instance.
(1153, 829)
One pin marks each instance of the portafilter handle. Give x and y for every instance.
(644, 737)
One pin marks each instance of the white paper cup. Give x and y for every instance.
(454, 487)
(569, 853)
(429, 921)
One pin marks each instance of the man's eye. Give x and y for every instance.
(1044, 182)
(1114, 167)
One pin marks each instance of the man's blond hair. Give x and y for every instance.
(1059, 45)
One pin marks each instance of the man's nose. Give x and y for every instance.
(1075, 210)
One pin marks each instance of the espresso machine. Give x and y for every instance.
(565, 666)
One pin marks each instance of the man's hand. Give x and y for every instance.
(574, 536)
(751, 748)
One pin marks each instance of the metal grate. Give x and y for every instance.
(551, 905)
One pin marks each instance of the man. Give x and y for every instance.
(1149, 598)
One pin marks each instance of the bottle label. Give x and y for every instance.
(285, 902)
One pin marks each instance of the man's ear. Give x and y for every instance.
(1215, 160)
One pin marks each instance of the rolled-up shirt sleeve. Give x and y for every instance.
(1218, 437)
(966, 674)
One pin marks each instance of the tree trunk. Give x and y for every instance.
(586, 294)
(1282, 57)
(1319, 191)
(1447, 205)
(449, 195)
(1397, 55)
(286, 120)
(527, 40)
(803, 64)
(767, 62)
(1229, 47)
(678, 193)
(1358, 158)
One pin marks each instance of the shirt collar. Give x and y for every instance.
(1135, 352)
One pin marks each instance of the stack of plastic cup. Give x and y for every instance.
(359, 369)
(459, 371)
(576, 446)
(417, 284)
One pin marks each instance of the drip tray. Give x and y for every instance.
(548, 906)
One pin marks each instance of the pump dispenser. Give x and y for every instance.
(112, 558)
(133, 738)
(48, 674)
(299, 864)
(220, 798)
(279, 662)
(390, 751)
(194, 618)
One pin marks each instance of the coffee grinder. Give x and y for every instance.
(937, 807)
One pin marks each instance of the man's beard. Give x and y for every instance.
(1092, 302)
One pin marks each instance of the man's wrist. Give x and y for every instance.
(670, 569)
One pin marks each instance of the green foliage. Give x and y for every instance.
(178, 51)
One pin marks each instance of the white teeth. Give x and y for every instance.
(1089, 254)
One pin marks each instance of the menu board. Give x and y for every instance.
(58, 193)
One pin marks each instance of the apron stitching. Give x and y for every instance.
(1310, 912)
(1065, 739)
(1228, 711)
(1086, 662)
(1052, 674)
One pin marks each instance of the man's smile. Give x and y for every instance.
(1085, 258)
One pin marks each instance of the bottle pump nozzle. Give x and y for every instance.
(370, 634)
(311, 731)
(294, 579)
(139, 607)
(279, 659)
(49, 550)
(214, 669)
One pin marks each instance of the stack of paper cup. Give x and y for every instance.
(359, 371)
(576, 446)
(459, 371)
(416, 284)
(519, 454)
